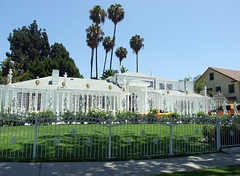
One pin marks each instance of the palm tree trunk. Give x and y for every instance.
(96, 64)
(119, 67)
(137, 63)
(96, 51)
(114, 33)
(92, 61)
(105, 62)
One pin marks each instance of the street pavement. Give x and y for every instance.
(115, 168)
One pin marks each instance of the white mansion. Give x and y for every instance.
(124, 92)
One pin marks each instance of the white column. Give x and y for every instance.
(146, 100)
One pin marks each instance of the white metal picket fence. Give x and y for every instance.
(83, 136)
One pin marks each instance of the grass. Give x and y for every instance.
(91, 141)
(219, 171)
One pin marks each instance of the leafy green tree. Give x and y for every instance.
(97, 15)
(198, 85)
(32, 55)
(62, 61)
(108, 44)
(116, 14)
(196, 78)
(29, 42)
(6, 65)
(121, 53)
(136, 43)
(19, 73)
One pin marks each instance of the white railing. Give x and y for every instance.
(37, 100)
(72, 135)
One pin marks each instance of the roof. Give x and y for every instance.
(72, 84)
(143, 75)
(176, 93)
(138, 83)
(232, 74)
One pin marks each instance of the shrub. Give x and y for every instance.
(202, 114)
(210, 131)
(46, 116)
(229, 133)
(11, 120)
(67, 116)
(174, 116)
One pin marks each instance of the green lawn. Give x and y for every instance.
(89, 141)
(223, 171)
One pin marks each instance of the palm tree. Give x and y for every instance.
(116, 14)
(121, 53)
(107, 73)
(108, 44)
(99, 39)
(123, 69)
(97, 15)
(136, 43)
(91, 42)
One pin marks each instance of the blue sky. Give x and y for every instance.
(181, 36)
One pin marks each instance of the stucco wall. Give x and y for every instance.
(224, 82)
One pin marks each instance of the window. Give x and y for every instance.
(231, 88)
(209, 89)
(151, 83)
(39, 102)
(218, 89)
(211, 76)
(162, 86)
(169, 87)
(238, 107)
(228, 107)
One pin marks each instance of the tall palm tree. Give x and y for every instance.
(108, 44)
(91, 42)
(116, 14)
(99, 38)
(97, 15)
(136, 43)
(121, 53)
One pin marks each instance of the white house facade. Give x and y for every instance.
(129, 91)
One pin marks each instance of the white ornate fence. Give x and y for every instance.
(88, 136)
(37, 100)
(184, 105)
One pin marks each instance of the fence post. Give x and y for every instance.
(170, 145)
(109, 145)
(218, 134)
(35, 136)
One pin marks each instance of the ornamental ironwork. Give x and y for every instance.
(89, 142)
(56, 142)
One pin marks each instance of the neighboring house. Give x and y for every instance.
(223, 80)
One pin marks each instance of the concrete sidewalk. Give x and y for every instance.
(138, 167)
